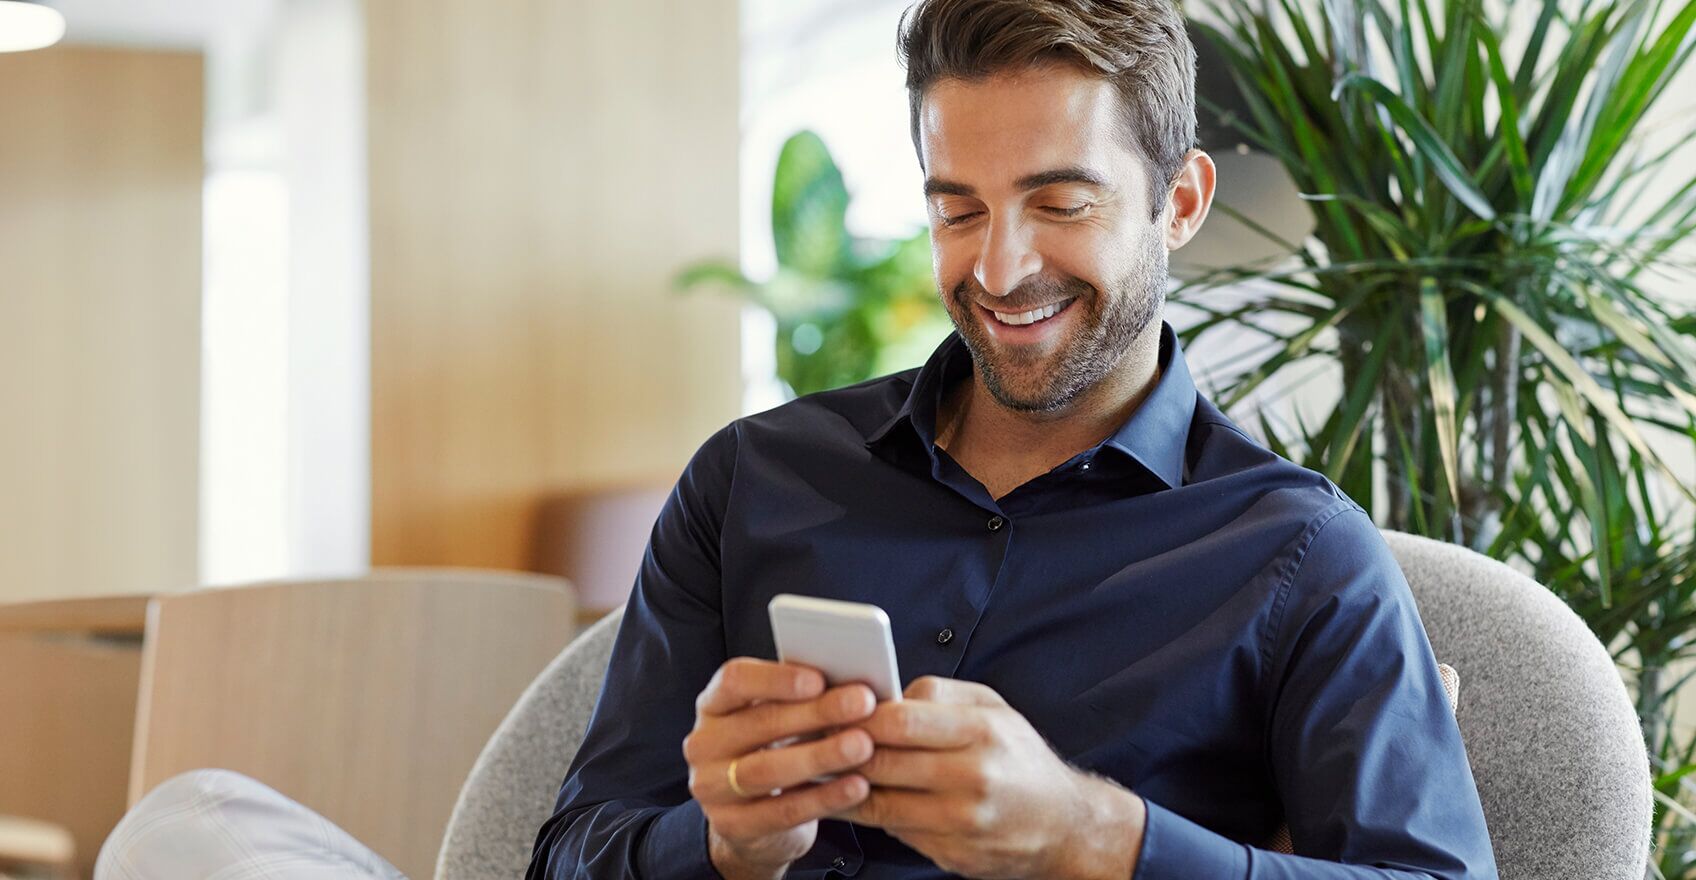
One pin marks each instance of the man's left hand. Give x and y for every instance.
(962, 777)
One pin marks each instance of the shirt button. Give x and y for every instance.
(995, 523)
(839, 863)
(945, 636)
(1084, 466)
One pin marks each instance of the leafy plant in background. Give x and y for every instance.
(847, 308)
(1489, 210)
(1647, 621)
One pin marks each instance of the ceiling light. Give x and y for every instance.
(26, 24)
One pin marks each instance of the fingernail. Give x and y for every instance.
(854, 701)
(856, 746)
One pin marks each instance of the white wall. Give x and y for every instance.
(285, 429)
(321, 101)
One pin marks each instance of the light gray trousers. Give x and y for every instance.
(221, 825)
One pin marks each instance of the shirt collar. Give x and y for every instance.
(1155, 436)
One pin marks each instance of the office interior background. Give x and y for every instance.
(292, 290)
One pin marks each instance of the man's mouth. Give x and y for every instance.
(1037, 315)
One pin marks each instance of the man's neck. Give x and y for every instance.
(1003, 448)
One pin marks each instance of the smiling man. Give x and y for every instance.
(1138, 644)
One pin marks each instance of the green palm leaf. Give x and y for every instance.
(1488, 214)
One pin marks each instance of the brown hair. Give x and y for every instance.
(1139, 45)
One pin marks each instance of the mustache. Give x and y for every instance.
(1031, 294)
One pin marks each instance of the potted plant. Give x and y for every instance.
(847, 308)
(1490, 215)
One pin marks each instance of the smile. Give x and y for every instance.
(1019, 319)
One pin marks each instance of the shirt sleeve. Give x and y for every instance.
(1363, 748)
(624, 810)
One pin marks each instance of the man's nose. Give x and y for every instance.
(1007, 258)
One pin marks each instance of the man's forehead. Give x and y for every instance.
(1008, 130)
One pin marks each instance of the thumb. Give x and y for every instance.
(936, 689)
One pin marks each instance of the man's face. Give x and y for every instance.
(1046, 253)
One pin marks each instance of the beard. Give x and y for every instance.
(1105, 326)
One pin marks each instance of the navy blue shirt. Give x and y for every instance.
(1222, 632)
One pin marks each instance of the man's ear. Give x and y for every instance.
(1190, 199)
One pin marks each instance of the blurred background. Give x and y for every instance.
(296, 290)
(290, 288)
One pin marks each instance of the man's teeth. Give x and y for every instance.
(1030, 317)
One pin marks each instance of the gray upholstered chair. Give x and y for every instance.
(513, 784)
(1553, 739)
(1551, 734)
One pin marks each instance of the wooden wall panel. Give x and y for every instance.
(100, 266)
(537, 175)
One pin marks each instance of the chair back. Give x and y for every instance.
(1551, 735)
(513, 786)
(365, 699)
(595, 537)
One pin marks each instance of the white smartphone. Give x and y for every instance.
(847, 641)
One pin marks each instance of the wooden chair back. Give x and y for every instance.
(365, 699)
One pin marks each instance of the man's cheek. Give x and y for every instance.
(954, 263)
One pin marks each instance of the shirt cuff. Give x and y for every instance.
(1174, 848)
(675, 844)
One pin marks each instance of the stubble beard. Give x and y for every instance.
(1105, 329)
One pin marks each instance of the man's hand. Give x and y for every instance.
(748, 705)
(963, 778)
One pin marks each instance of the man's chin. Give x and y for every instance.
(1028, 406)
(1021, 391)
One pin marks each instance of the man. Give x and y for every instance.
(1137, 643)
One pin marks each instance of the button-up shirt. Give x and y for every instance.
(1220, 631)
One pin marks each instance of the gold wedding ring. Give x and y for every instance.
(730, 775)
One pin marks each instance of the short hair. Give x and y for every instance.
(1141, 46)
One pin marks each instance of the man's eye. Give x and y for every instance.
(958, 218)
(1068, 212)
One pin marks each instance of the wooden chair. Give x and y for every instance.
(69, 671)
(30, 848)
(595, 538)
(365, 699)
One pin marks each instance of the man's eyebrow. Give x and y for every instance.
(935, 186)
(1062, 175)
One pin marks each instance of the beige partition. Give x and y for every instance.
(537, 175)
(100, 194)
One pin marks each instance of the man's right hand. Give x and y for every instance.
(748, 705)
